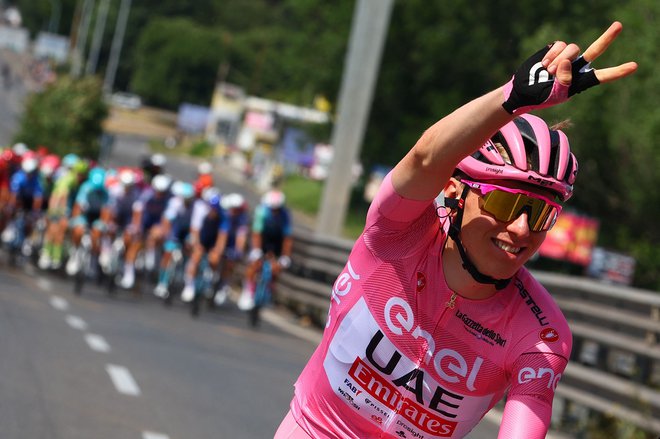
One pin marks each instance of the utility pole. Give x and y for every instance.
(368, 32)
(99, 28)
(81, 38)
(115, 50)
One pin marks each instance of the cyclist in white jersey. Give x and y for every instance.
(433, 321)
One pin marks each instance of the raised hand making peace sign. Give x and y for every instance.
(557, 72)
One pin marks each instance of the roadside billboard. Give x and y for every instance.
(571, 239)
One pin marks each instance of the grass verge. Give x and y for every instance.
(304, 194)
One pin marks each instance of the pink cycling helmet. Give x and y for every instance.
(526, 150)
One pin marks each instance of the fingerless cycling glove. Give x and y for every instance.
(533, 87)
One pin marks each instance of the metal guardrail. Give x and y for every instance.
(615, 363)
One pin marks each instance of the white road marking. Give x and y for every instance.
(154, 435)
(44, 284)
(97, 343)
(58, 303)
(76, 322)
(123, 380)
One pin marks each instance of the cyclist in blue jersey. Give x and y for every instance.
(124, 190)
(89, 214)
(25, 186)
(176, 227)
(147, 213)
(231, 243)
(271, 238)
(25, 200)
(208, 222)
(123, 196)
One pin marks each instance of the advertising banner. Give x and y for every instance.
(571, 239)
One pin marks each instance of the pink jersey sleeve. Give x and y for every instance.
(529, 403)
(393, 206)
(413, 225)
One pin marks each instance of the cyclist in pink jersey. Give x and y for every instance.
(432, 322)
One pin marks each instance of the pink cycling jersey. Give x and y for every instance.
(403, 356)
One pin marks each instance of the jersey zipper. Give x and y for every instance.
(450, 304)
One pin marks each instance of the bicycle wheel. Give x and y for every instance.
(201, 285)
(80, 277)
(262, 293)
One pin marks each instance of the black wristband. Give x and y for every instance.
(584, 76)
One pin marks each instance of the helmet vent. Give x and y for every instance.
(530, 141)
(554, 153)
(502, 147)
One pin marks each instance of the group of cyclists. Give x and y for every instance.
(74, 215)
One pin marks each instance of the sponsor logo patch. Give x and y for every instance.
(549, 335)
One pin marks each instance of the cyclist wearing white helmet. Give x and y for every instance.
(145, 225)
(175, 225)
(231, 242)
(434, 319)
(26, 196)
(208, 223)
(25, 185)
(271, 237)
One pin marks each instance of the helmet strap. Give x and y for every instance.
(454, 231)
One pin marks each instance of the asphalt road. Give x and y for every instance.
(125, 366)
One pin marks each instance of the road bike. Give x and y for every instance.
(263, 291)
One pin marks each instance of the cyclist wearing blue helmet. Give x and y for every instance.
(89, 213)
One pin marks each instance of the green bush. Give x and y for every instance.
(304, 195)
(66, 116)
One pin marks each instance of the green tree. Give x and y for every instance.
(66, 117)
(615, 127)
(177, 62)
(37, 14)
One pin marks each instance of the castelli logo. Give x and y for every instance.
(549, 335)
(421, 281)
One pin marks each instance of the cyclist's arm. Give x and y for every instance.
(166, 226)
(287, 243)
(80, 203)
(423, 172)
(37, 202)
(138, 209)
(220, 244)
(77, 210)
(14, 188)
(241, 239)
(223, 235)
(528, 407)
(38, 194)
(170, 215)
(107, 214)
(256, 240)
